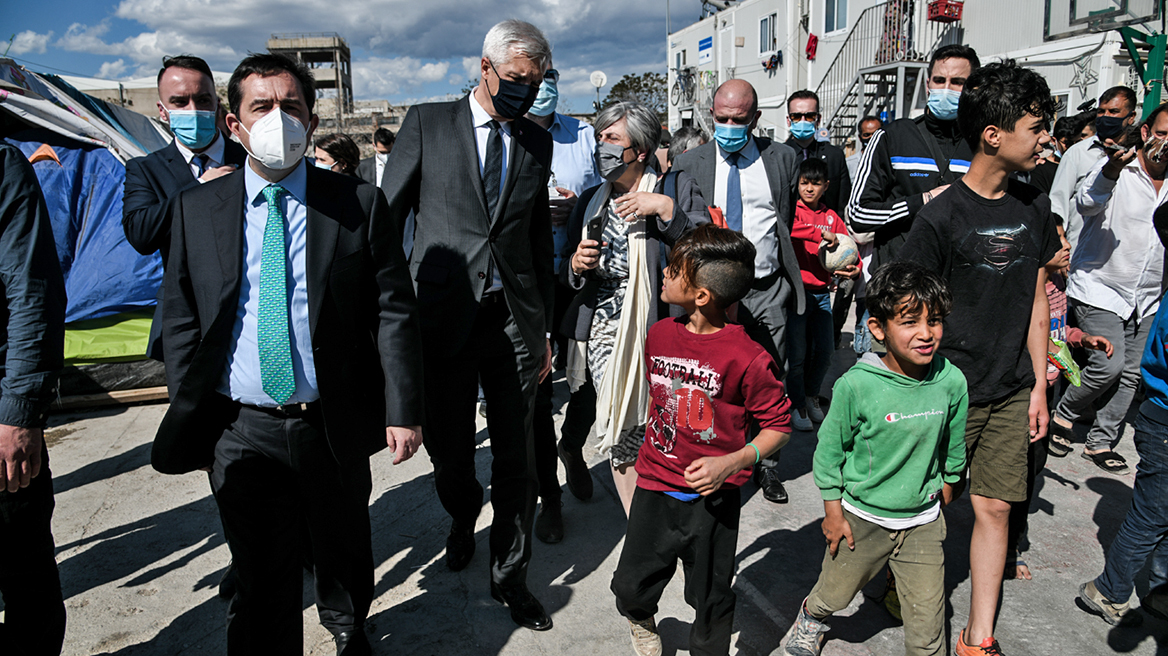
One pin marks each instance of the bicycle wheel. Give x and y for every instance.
(675, 93)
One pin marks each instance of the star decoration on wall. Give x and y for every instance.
(1084, 75)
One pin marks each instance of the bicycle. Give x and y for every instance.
(683, 86)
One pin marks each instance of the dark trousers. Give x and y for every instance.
(544, 426)
(495, 354)
(579, 416)
(34, 612)
(275, 477)
(704, 536)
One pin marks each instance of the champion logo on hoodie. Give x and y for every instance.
(894, 417)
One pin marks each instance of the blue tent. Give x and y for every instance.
(104, 275)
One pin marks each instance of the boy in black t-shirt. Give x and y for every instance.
(989, 237)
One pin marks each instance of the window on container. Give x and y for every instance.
(835, 15)
(766, 34)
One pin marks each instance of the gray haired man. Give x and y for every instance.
(475, 172)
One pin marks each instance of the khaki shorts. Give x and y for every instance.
(997, 436)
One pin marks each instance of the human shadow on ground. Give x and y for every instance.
(201, 627)
(105, 468)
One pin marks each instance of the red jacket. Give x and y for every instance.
(806, 235)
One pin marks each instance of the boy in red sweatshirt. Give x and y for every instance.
(810, 336)
(708, 381)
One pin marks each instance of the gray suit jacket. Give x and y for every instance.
(367, 170)
(433, 171)
(782, 171)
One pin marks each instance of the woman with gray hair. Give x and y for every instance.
(616, 234)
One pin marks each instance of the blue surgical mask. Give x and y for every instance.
(943, 103)
(802, 130)
(322, 165)
(545, 102)
(194, 128)
(730, 137)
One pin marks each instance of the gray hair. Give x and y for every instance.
(643, 126)
(685, 138)
(520, 36)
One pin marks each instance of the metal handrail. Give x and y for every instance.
(307, 35)
(886, 33)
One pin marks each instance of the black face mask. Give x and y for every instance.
(1109, 127)
(513, 99)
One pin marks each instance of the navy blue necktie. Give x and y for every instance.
(733, 194)
(493, 168)
(202, 161)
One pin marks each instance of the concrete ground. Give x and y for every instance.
(141, 554)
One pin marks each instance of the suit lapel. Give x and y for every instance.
(515, 157)
(177, 166)
(770, 164)
(707, 172)
(227, 221)
(464, 132)
(321, 244)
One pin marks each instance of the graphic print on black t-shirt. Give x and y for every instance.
(999, 247)
(689, 386)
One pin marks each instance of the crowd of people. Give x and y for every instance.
(316, 311)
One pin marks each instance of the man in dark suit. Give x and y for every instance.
(803, 125)
(199, 153)
(475, 174)
(372, 169)
(293, 354)
(752, 180)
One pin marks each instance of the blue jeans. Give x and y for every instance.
(1146, 524)
(862, 338)
(811, 343)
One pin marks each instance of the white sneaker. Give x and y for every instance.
(646, 640)
(800, 421)
(814, 413)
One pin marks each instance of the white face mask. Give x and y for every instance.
(383, 157)
(278, 140)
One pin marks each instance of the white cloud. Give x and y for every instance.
(378, 77)
(29, 41)
(147, 48)
(113, 70)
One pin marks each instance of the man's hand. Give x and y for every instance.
(1098, 343)
(947, 493)
(1116, 160)
(403, 441)
(562, 207)
(20, 456)
(587, 256)
(1039, 415)
(836, 528)
(829, 238)
(545, 363)
(217, 172)
(930, 195)
(706, 475)
(640, 204)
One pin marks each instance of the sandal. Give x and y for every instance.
(1011, 572)
(1109, 461)
(1058, 440)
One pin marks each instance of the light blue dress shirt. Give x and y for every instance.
(241, 381)
(573, 165)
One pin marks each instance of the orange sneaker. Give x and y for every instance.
(988, 647)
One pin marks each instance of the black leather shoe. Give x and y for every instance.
(525, 608)
(460, 546)
(772, 487)
(579, 478)
(549, 524)
(353, 643)
(228, 582)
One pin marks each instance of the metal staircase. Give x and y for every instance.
(880, 65)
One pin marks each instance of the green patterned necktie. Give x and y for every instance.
(274, 340)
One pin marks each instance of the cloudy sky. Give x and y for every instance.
(402, 50)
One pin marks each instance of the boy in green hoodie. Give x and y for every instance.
(890, 450)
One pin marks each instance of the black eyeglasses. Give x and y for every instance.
(804, 116)
(552, 74)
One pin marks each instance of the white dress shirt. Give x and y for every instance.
(241, 381)
(379, 166)
(1076, 163)
(1119, 263)
(214, 154)
(759, 220)
(483, 132)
